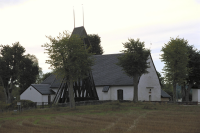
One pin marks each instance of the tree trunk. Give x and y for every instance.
(183, 92)
(9, 90)
(6, 96)
(174, 92)
(9, 96)
(188, 92)
(5, 92)
(135, 84)
(71, 95)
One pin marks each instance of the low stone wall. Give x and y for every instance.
(82, 103)
(171, 102)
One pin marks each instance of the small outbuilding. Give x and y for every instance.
(38, 93)
(165, 96)
(196, 94)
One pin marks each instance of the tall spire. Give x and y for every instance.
(74, 17)
(83, 15)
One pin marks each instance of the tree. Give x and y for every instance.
(2, 95)
(29, 71)
(46, 75)
(175, 56)
(10, 58)
(16, 68)
(161, 79)
(69, 59)
(39, 76)
(167, 87)
(194, 72)
(134, 62)
(95, 41)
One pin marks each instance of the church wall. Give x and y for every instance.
(112, 92)
(149, 88)
(55, 90)
(31, 94)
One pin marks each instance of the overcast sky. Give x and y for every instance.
(153, 21)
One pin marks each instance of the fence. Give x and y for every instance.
(83, 103)
(171, 102)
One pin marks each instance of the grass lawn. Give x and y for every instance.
(113, 117)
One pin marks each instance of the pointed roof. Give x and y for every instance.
(106, 72)
(79, 31)
(44, 89)
(164, 94)
(49, 79)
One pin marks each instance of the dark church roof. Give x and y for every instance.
(164, 94)
(44, 89)
(79, 31)
(106, 72)
(49, 80)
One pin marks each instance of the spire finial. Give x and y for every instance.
(83, 15)
(74, 16)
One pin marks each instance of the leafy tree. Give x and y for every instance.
(39, 76)
(29, 71)
(44, 76)
(16, 68)
(10, 58)
(175, 56)
(69, 59)
(193, 77)
(167, 87)
(161, 79)
(95, 41)
(2, 95)
(134, 62)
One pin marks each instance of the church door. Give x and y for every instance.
(120, 95)
(49, 99)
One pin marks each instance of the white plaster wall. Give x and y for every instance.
(103, 95)
(45, 98)
(55, 90)
(112, 93)
(52, 97)
(195, 95)
(127, 92)
(164, 99)
(198, 95)
(99, 92)
(149, 80)
(31, 94)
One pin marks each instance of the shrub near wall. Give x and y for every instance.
(24, 104)
(3, 105)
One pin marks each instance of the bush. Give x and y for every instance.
(3, 105)
(24, 104)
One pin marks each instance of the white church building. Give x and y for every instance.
(110, 81)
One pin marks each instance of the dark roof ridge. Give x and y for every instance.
(79, 27)
(45, 80)
(45, 90)
(36, 88)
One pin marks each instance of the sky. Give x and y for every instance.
(152, 21)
